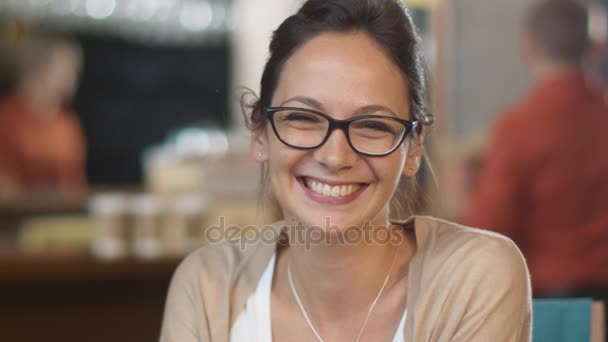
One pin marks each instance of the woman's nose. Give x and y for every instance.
(336, 153)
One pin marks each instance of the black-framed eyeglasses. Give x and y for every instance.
(370, 135)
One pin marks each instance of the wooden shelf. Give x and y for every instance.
(18, 266)
(74, 297)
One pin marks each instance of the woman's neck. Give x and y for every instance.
(338, 280)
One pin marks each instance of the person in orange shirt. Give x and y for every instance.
(544, 180)
(42, 145)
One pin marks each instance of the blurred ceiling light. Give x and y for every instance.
(159, 21)
(100, 9)
(219, 15)
(163, 9)
(65, 6)
(231, 20)
(39, 2)
(142, 10)
(196, 16)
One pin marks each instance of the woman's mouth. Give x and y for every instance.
(331, 193)
(330, 190)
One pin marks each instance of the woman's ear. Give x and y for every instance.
(259, 145)
(414, 154)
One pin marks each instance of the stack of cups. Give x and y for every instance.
(110, 212)
(184, 230)
(147, 217)
(147, 227)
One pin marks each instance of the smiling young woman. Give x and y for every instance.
(337, 128)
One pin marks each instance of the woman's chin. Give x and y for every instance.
(327, 226)
(328, 222)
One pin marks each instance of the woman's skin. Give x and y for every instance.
(343, 75)
(46, 89)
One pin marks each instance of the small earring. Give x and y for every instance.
(411, 170)
(260, 154)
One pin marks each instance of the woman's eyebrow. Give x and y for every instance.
(375, 108)
(309, 101)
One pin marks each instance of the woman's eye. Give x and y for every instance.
(377, 126)
(301, 117)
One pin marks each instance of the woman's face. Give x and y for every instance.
(342, 75)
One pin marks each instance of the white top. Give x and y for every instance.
(253, 323)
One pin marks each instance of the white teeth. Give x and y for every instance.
(318, 187)
(330, 191)
(326, 190)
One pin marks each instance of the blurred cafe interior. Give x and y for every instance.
(156, 134)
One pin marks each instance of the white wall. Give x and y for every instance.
(484, 71)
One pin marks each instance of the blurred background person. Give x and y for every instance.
(42, 146)
(543, 178)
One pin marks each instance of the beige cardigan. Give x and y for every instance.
(464, 285)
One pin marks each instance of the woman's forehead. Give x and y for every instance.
(341, 71)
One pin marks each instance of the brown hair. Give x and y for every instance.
(387, 22)
(560, 27)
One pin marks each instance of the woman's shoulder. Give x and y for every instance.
(230, 251)
(434, 232)
(216, 280)
(446, 243)
(478, 276)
